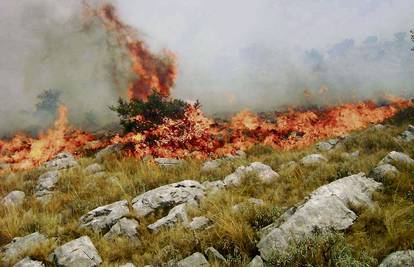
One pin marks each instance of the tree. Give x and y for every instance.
(412, 38)
(139, 116)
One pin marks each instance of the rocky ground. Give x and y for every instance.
(344, 202)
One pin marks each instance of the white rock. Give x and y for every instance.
(384, 171)
(128, 265)
(195, 260)
(399, 259)
(46, 184)
(211, 165)
(77, 253)
(94, 168)
(103, 218)
(214, 187)
(167, 196)
(199, 223)
(167, 162)
(264, 173)
(396, 157)
(256, 262)
(313, 159)
(114, 150)
(327, 209)
(326, 145)
(124, 227)
(61, 161)
(178, 214)
(28, 262)
(20, 245)
(214, 256)
(14, 198)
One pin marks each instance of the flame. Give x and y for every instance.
(152, 72)
(24, 152)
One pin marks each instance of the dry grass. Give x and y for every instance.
(376, 233)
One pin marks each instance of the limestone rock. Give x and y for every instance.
(28, 262)
(256, 262)
(327, 209)
(167, 162)
(214, 187)
(327, 145)
(211, 165)
(399, 259)
(20, 245)
(61, 161)
(313, 159)
(94, 168)
(103, 218)
(13, 199)
(199, 223)
(195, 260)
(112, 150)
(46, 184)
(396, 157)
(214, 256)
(167, 196)
(408, 135)
(128, 265)
(264, 173)
(124, 227)
(384, 171)
(178, 214)
(77, 253)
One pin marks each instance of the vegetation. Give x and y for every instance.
(48, 101)
(376, 233)
(139, 116)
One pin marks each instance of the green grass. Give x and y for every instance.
(376, 233)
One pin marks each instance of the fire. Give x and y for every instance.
(153, 72)
(24, 152)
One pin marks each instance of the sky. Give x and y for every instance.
(232, 54)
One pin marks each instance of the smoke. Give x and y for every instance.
(232, 54)
(264, 54)
(49, 45)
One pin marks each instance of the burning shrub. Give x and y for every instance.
(48, 101)
(139, 116)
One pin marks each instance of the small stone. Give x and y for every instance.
(112, 150)
(176, 215)
(256, 262)
(384, 171)
(28, 262)
(199, 223)
(214, 256)
(195, 260)
(313, 159)
(14, 198)
(77, 253)
(214, 187)
(124, 227)
(61, 161)
(399, 259)
(210, 165)
(256, 201)
(396, 157)
(129, 265)
(46, 184)
(93, 168)
(167, 162)
(264, 173)
(103, 218)
(20, 245)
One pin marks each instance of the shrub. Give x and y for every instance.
(48, 101)
(139, 116)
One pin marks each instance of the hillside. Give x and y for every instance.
(322, 210)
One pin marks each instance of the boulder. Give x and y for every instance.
(199, 223)
(46, 184)
(214, 187)
(195, 260)
(13, 199)
(128, 265)
(264, 173)
(20, 245)
(313, 159)
(326, 209)
(379, 127)
(93, 168)
(256, 262)
(124, 227)
(103, 218)
(211, 165)
(167, 162)
(77, 253)
(399, 259)
(408, 135)
(178, 214)
(167, 196)
(396, 157)
(214, 256)
(111, 150)
(61, 161)
(28, 262)
(384, 171)
(326, 145)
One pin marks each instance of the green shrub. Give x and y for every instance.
(149, 113)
